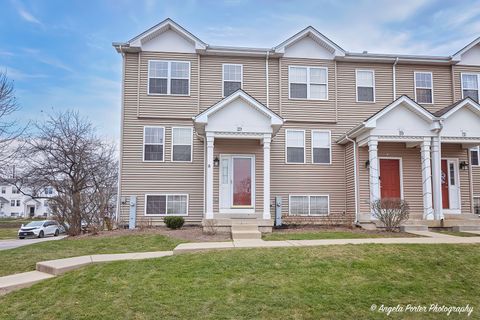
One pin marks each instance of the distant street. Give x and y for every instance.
(15, 243)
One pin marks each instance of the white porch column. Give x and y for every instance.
(266, 176)
(437, 178)
(209, 177)
(428, 213)
(374, 170)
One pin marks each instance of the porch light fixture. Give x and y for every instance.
(216, 162)
(367, 164)
(463, 165)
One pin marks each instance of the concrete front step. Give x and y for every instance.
(466, 228)
(408, 228)
(245, 235)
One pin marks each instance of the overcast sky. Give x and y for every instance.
(60, 56)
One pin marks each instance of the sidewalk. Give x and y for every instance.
(52, 268)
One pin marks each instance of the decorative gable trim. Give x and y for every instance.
(467, 102)
(318, 37)
(165, 25)
(458, 55)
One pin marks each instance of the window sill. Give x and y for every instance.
(306, 99)
(168, 95)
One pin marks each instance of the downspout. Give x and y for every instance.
(394, 76)
(355, 175)
(119, 200)
(266, 79)
(204, 162)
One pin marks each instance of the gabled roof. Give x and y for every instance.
(458, 55)
(3, 200)
(448, 111)
(202, 117)
(415, 107)
(165, 25)
(315, 35)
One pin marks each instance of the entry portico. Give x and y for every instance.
(393, 134)
(237, 118)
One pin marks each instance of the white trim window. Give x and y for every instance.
(423, 87)
(470, 85)
(15, 190)
(153, 143)
(166, 204)
(232, 78)
(4, 190)
(309, 205)
(182, 142)
(12, 203)
(295, 146)
(475, 156)
(308, 83)
(18, 203)
(476, 205)
(169, 77)
(365, 83)
(321, 147)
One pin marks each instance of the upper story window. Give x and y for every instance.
(308, 83)
(4, 190)
(48, 190)
(12, 203)
(15, 190)
(470, 85)
(295, 145)
(365, 85)
(182, 139)
(475, 156)
(169, 77)
(423, 87)
(232, 78)
(153, 143)
(321, 147)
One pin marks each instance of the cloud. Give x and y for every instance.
(45, 59)
(24, 14)
(18, 75)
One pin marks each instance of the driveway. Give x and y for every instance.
(15, 243)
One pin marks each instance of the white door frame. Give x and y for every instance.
(455, 161)
(232, 209)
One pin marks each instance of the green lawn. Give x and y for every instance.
(331, 234)
(334, 282)
(8, 233)
(24, 258)
(459, 234)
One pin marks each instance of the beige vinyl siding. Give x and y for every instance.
(307, 109)
(308, 178)
(412, 175)
(350, 112)
(168, 106)
(350, 178)
(456, 151)
(476, 181)
(211, 78)
(244, 147)
(140, 178)
(442, 84)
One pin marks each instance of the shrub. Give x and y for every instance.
(174, 222)
(392, 212)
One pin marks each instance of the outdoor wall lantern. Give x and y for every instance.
(367, 164)
(463, 165)
(216, 162)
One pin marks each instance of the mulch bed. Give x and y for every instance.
(317, 228)
(188, 233)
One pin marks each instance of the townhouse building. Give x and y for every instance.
(216, 133)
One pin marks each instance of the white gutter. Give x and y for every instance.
(395, 79)
(355, 177)
(266, 77)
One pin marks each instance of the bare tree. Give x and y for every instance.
(67, 155)
(9, 130)
(392, 212)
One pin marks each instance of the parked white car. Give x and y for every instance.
(39, 229)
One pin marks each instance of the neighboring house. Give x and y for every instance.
(13, 203)
(215, 133)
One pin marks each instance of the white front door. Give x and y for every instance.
(451, 186)
(237, 184)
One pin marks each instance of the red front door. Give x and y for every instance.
(445, 193)
(390, 178)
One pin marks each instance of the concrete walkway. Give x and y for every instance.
(15, 243)
(52, 268)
